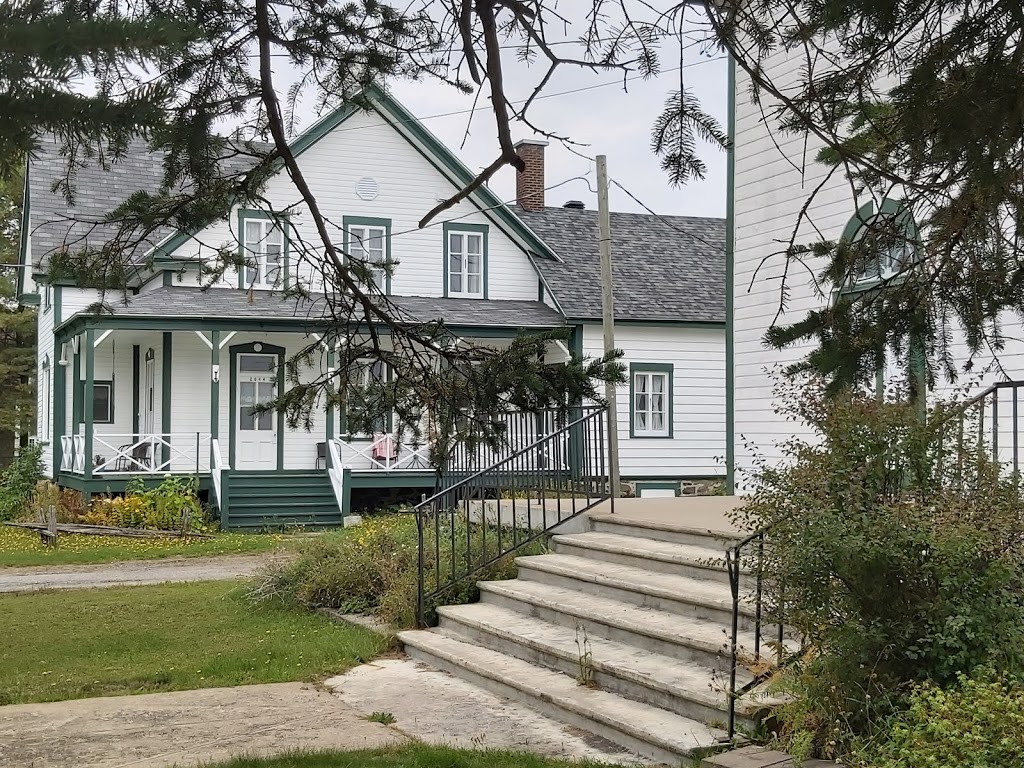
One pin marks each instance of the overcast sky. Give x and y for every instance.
(608, 120)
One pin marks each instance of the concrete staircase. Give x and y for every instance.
(650, 602)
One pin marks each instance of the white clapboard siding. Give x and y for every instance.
(408, 186)
(775, 175)
(697, 355)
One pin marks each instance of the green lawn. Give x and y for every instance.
(413, 756)
(19, 547)
(107, 642)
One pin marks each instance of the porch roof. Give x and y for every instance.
(191, 303)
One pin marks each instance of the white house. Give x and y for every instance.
(164, 380)
(771, 177)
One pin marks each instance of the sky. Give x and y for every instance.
(609, 119)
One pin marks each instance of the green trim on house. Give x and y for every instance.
(635, 368)
(90, 372)
(79, 322)
(424, 142)
(710, 325)
(265, 349)
(136, 388)
(29, 299)
(657, 485)
(857, 221)
(730, 306)
(282, 220)
(58, 305)
(456, 227)
(168, 278)
(370, 221)
(76, 392)
(442, 158)
(165, 394)
(26, 208)
(104, 485)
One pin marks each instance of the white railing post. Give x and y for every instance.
(336, 474)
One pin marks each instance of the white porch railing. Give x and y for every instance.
(382, 453)
(129, 454)
(336, 473)
(217, 467)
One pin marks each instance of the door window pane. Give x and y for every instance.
(257, 363)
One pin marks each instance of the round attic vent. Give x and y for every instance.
(367, 188)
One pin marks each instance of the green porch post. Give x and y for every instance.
(76, 391)
(87, 397)
(165, 399)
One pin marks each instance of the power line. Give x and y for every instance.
(664, 219)
(541, 96)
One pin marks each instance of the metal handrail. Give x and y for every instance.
(497, 502)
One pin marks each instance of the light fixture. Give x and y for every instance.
(257, 347)
(63, 355)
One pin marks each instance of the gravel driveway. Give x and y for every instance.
(129, 573)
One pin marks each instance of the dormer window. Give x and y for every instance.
(465, 259)
(264, 250)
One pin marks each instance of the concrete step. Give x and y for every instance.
(670, 532)
(697, 598)
(686, 688)
(653, 733)
(669, 634)
(650, 554)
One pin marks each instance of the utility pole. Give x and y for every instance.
(604, 233)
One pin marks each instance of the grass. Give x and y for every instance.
(412, 756)
(107, 642)
(19, 547)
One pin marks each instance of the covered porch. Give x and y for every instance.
(145, 395)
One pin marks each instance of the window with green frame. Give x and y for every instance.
(264, 248)
(885, 236)
(650, 400)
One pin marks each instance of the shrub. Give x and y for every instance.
(895, 549)
(18, 481)
(68, 502)
(373, 568)
(979, 722)
(160, 508)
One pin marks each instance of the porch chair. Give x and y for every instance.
(138, 460)
(384, 449)
(321, 456)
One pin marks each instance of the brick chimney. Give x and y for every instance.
(530, 182)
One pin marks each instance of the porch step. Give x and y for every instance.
(682, 595)
(701, 562)
(261, 500)
(646, 730)
(674, 533)
(686, 688)
(680, 637)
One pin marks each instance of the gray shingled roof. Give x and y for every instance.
(96, 191)
(664, 268)
(667, 268)
(221, 303)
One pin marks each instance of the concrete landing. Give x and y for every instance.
(704, 512)
(438, 708)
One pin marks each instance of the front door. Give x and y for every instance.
(256, 432)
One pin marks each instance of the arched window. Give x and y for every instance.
(884, 237)
(885, 240)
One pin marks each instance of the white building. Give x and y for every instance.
(166, 380)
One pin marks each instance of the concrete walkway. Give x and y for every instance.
(129, 573)
(184, 728)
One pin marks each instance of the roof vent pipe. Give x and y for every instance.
(576, 205)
